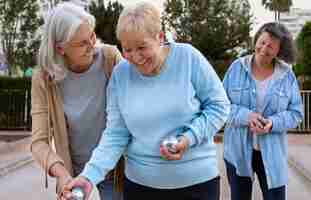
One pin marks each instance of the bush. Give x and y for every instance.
(15, 103)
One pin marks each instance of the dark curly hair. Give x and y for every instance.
(277, 30)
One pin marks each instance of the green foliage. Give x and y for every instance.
(18, 23)
(215, 27)
(15, 103)
(106, 19)
(306, 85)
(304, 49)
(298, 69)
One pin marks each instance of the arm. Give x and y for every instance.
(238, 116)
(40, 143)
(113, 141)
(291, 117)
(214, 102)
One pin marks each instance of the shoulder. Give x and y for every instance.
(39, 75)
(39, 80)
(239, 65)
(108, 49)
(184, 48)
(122, 67)
(287, 69)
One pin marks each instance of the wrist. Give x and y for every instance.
(58, 170)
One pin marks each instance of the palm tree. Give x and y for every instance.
(277, 6)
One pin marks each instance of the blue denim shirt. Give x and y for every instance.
(282, 104)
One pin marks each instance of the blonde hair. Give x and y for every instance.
(61, 24)
(141, 17)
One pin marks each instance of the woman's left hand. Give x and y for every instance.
(266, 129)
(180, 148)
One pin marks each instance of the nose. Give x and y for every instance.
(133, 56)
(137, 57)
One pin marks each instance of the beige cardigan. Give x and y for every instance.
(49, 142)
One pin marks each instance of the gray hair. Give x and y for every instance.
(61, 24)
(141, 17)
(277, 30)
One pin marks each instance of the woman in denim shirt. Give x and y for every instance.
(265, 103)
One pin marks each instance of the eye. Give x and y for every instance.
(262, 42)
(126, 50)
(141, 48)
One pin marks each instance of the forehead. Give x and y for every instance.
(82, 32)
(265, 36)
(134, 38)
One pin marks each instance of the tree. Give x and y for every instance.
(18, 23)
(277, 6)
(304, 50)
(215, 27)
(106, 19)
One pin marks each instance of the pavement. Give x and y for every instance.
(299, 153)
(15, 153)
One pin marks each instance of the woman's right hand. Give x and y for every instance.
(80, 182)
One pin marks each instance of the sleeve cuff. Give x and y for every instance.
(244, 116)
(275, 127)
(92, 174)
(189, 135)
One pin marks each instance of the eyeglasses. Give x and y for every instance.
(84, 43)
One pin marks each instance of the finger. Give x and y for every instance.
(258, 124)
(66, 195)
(181, 146)
(252, 124)
(167, 155)
(175, 156)
(268, 127)
(163, 152)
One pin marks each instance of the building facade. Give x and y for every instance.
(295, 19)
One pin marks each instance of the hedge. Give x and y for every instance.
(15, 103)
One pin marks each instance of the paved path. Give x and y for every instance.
(299, 188)
(26, 183)
(21, 178)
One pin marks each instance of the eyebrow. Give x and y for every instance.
(84, 38)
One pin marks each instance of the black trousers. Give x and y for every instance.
(205, 191)
(241, 187)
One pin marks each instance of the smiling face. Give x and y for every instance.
(143, 50)
(79, 51)
(266, 48)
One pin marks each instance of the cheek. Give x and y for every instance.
(276, 52)
(126, 56)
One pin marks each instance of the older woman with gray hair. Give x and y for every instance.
(265, 103)
(69, 94)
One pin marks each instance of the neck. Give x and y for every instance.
(263, 65)
(162, 56)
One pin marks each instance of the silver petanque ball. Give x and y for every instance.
(170, 143)
(77, 194)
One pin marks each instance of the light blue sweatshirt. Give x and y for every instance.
(186, 98)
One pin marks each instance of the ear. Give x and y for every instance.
(60, 49)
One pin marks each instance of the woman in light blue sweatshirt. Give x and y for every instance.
(159, 90)
(265, 103)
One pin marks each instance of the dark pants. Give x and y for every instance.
(241, 187)
(205, 191)
(105, 189)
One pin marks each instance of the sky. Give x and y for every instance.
(261, 15)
